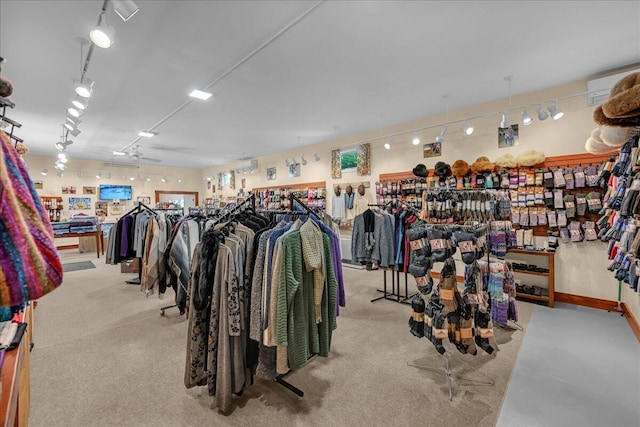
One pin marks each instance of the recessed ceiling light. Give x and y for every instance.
(200, 94)
(119, 153)
(147, 134)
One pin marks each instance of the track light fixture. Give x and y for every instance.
(74, 112)
(108, 175)
(60, 174)
(80, 103)
(504, 123)
(526, 118)
(556, 113)
(132, 178)
(80, 174)
(294, 161)
(164, 179)
(62, 145)
(44, 172)
(315, 156)
(84, 88)
(468, 130)
(542, 115)
(147, 134)
(102, 35)
(441, 137)
(125, 9)
(179, 180)
(415, 140)
(286, 162)
(303, 161)
(198, 94)
(99, 176)
(387, 145)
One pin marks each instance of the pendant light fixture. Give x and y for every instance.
(102, 35)
(504, 123)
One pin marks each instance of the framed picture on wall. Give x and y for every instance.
(38, 184)
(348, 160)
(72, 190)
(432, 149)
(294, 170)
(271, 174)
(144, 199)
(65, 189)
(88, 190)
(508, 137)
(79, 203)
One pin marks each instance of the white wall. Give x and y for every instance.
(580, 267)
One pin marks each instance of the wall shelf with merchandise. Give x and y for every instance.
(275, 197)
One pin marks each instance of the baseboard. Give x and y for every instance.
(602, 304)
(66, 247)
(633, 322)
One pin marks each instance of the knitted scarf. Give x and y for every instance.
(29, 262)
(312, 253)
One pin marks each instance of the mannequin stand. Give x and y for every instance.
(447, 356)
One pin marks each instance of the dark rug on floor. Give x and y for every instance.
(76, 266)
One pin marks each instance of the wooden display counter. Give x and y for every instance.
(15, 380)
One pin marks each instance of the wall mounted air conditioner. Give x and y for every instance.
(599, 88)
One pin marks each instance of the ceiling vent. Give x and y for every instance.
(599, 88)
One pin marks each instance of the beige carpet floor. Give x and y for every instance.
(104, 356)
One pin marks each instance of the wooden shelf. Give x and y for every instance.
(550, 300)
(530, 296)
(535, 273)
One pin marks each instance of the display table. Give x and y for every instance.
(15, 379)
(98, 235)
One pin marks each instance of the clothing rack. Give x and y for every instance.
(4, 103)
(138, 208)
(293, 198)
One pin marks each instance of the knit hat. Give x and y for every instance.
(460, 168)
(421, 171)
(622, 109)
(507, 161)
(624, 101)
(595, 145)
(442, 170)
(530, 158)
(482, 165)
(615, 136)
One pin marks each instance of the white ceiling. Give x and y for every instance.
(347, 67)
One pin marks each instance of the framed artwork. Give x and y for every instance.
(88, 190)
(144, 199)
(363, 159)
(102, 209)
(38, 184)
(243, 183)
(349, 160)
(271, 174)
(294, 170)
(72, 190)
(508, 137)
(432, 149)
(116, 209)
(79, 203)
(65, 189)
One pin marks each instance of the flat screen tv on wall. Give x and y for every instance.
(115, 192)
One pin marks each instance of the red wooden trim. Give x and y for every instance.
(293, 187)
(67, 247)
(633, 322)
(436, 275)
(601, 304)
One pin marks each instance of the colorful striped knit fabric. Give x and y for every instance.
(29, 262)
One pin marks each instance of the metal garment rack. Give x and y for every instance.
(138, 208)
(280, 379)
(251, 199)
(4, 103)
